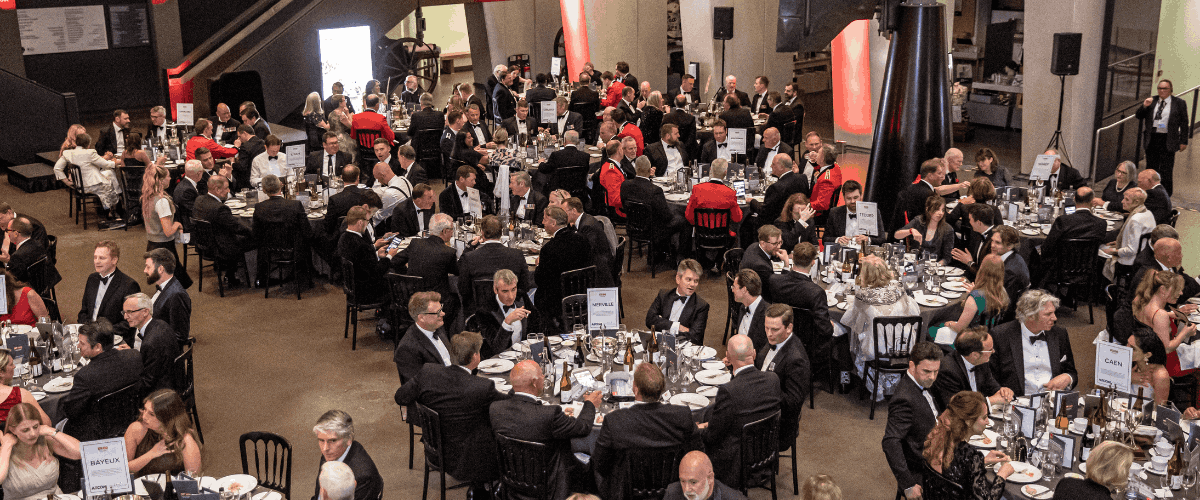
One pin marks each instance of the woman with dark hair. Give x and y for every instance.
(948, 453)
(27, 305)
(980, 191)
(930, 229)
(28, 449)
(16, 395)
(989, 166)
(464, 149)
(796, 222)
(162, 439)
(1155, 331)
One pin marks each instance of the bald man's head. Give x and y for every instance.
(954, 159)
(1169, 251)
(527, 377)
(696, 476)
(740, 351)
(383, 172)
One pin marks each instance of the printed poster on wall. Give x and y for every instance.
(62, 29)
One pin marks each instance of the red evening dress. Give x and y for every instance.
(21, 313)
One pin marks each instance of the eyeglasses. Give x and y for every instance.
(127, 313)
(1164, 88)
(436, 313)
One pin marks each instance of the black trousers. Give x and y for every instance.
(1159, 158)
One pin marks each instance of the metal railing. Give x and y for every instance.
(1106, 154)
(1138, 66)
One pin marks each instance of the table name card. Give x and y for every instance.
(474, 205)
(1041, 167)
(1025, 419)
(18, 345)
(295, 156)
(105, 468)
(184, 113)
(868, 217)
(603, 308)
(549, 111)
(1064, 445)
(737, 141)
(3, 297)
(1114, 366)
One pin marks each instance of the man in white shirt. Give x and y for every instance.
(426, 340)
(719, 146)
(747, 291)
(269, 162)
(392, 190)
(1032, 354)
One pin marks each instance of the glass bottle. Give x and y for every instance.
(564, 387)
(629, 356)
(1176, 466)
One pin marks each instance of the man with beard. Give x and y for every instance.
(911, 415)
(697, 481)
(171, 302)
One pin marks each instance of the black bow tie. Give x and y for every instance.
(923, 388)
(104, 279)
(272, 158)
(464, 194)
(976, 368)
(1040, 336)
(775, 347)
(158, 287)
(670, 146)
(852, 215)
(680, 298)
(721, 145)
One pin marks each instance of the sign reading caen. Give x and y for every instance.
(1114, 365)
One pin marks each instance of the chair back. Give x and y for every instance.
(935, 486)
(578, 280)
(365, 138)
(277, 238)
(802, 325)
(651, 470)
(402, 287)
(712, 228)
(121, 408)
(618, 258)
(76, 176)
(36, 275)
(1143, 242)
(733, 260)
(895, 337)
(185, 375)
(572, 179)
(481, 291)
(204, 239)
(52, 249)
(348, 282)
(52, 310)
(525, 466)
(574, 311)
(639, 221)
(130, 179)
(759, 446)
(272, 460)
(427, 144)
(431, 433)
(1076, 258)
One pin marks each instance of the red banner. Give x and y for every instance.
(8, 4)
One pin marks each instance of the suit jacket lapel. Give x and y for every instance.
(1018, 358)
(1052, 348)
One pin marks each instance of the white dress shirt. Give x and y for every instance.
(437, 342)
(744, 326)
(924, 392)
(515, 327)
(521, 205)
(141, 333)
(970, 374)
(769, 361)
(723, 150)
(676, 310)
(674, 159)
(100, 291)
(1160, 118)
(120, 138)
(262, 166)
(1037, 362)
(159, 288)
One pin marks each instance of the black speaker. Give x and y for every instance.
(1065, 58)
(722, 23)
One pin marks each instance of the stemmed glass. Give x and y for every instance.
(26, 373)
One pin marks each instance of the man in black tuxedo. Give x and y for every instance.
(764, 256)
(521, 123)
(719, 146)
(504, 317)
(697, 481)
(23, 251)
(1032, 355)
(796, 288)
(225, 126)
(1062, 177)
(788, 182)
(628, 105)
(667, 154)
(559, 255)
(1082, 224)
(569, 156)
(251, 117)
(171, 301)
(791, 99)
(787, 358)
(329, 162)
(650, 424)
(154, 340)
(967, 369)
(335, 437)
(537, 94)
(110, 369)
(251, 147)
(1158, 202)
(431, 259)
(749, 396)
(779, 116)
(462, 402)
(491, 255)
(641, 189)
(406, 166)
(586, 102)
(107, 288)
(680, 117)
(186, 192)
(520, 187)
(758, 101)
(751, 311)
(232, 237)
(731, 88)
(352, 195)
(369, 264)
(454, 199)
(687, 89)
(772, 146)
(912, 199)
(37, 229)
(483, 136)
(274, 212)
(681, 310)
(981, 217)
(912, 413)
(112, 137)
(602, 251)
(527, 417)
(504, 102)
(426, 340)
(621, 74)
(1165, 125)
(738, 116)
(842, 226)
(404, 220)
(428, 118)
(565, 120)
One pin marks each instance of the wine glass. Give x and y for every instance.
(26, 372)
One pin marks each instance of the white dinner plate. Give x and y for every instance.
(495, 365)
(312, 215)
(268, 495)
(509, 355)
(678, 197)
(843, 305)
(953, 271)
(951, 294)
(708, 391)
(39, 395)
(932, 301)
(714, 364)
(985, 440)
(955, 286)
(1037, 491)
(831, 299)
(1023, 473)
(1083, 467)
(713, 377)
(555, 340)
(210, 483)
(692, 401)
(238, 483)
(595, 155)
(1029, 232)
(59, 384)
(1046, 230)
(700, 352)
(531, 260)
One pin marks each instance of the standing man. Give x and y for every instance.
(504, 101)
(791, 99)
(171, 302)
(106, 288)
(622, 75)
(559, 255)
(687, 89)
(827, 178)
(250, 116)
(912, 413)
(787, 358)
(155, 340)
(758, 103)
(680, 310)
(1165, 122)
(335, 437)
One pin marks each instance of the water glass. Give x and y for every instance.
(1048, 465)
(26, 373)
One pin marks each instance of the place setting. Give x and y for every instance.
(496, 365)
(931, 300)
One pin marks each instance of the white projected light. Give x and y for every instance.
(346, 58)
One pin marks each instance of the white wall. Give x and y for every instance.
(1043, 18)
(1179, 43)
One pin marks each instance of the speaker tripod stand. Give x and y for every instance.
(1056, 141)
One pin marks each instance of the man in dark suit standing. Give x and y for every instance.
(491, 255)
(232, 237)
(622, 75)
(681, 311)
(154, 340)
(912, 198)
(107, 288)
(369, 264)
(650, 424)
(749, 396)
(586, 102)
(787, 358)
(112, 138)
(1165, 125)
(110, 369)
(171, 301)
(411, 217)
(593, 230)
(431, 259)
(251, 147)
(680, 117)
(505, 316)
(764, 256)
(796, 288)
(329, 162)
(1032, 355)
(842, 225)
(527, 417)
(559, 255)
(912, 413)
(504, 103)
(335, 437)
(1158, 202)
(791, 99)
(462, 402)
(275, 212)
(697, 481)
(966, 369)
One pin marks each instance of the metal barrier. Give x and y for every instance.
(1113, 143)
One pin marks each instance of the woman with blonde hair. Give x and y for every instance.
(987, 300)
(69, 142)
(796, 222)
(339, 123)
(162, 439)
(878, 295)
(820, 487)
(1155, 331)
(27, 306)
(158, 213)
(1107, 470)
(948, 453)
(1125, 249)
(28, 465)
(15, 395)
(314, 123)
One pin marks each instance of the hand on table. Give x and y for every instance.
(1006, 470)
(1004, 395)
(1190, 414)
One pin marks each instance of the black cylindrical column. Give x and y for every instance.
(914, 109)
